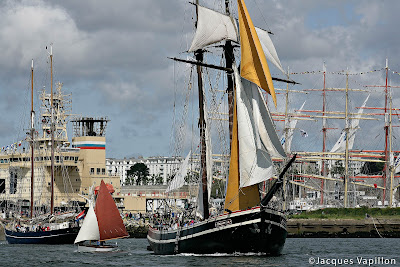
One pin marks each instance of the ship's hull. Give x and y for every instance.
(255, 230)
(60, 236)
(96, 248)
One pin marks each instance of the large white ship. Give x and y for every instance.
(77, 165)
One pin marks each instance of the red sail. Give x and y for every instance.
(108, 216)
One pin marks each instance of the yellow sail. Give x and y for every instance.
(246, 197)
(253, 65)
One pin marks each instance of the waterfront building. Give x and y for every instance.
(159, 166)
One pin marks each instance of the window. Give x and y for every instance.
(103, 171)
(13, 183)
(91, 170)
(2, 186)
(76, 159)
(98, 170)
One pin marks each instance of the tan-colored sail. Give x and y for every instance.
(243, 198)
(253, 65)
(109, 219)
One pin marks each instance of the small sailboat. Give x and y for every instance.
(102, 222)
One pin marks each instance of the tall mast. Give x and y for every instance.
(346, 164)
(286, 148)
(391, 165)
(323, 136)
(202, 125)
(52, 132)
(385, 173)
(229, 59)
(32, 145)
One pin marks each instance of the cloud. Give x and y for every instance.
(112, 57)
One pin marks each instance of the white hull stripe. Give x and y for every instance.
(214, 230)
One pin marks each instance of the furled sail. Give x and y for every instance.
(212, 27)
(286, 139)
(209, 160)
(340, 145)
(90, 229)
(255, 164)
(179, 178)
(253, 65)
(109, 219)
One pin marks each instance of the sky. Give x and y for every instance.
(112, 57)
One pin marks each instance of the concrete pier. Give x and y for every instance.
(370, 227)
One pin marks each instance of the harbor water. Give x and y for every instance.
(133, 252)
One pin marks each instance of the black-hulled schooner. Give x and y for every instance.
(247, 224)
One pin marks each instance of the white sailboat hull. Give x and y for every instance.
(97, 248)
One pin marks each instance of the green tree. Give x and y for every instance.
(138, 174)
(373, 168)
(158, 180)
(338, 168)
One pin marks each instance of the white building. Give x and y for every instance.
(162, 166)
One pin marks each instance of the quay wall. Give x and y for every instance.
(350, 228)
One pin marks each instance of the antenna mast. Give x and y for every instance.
(52, 132)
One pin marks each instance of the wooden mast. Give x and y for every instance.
(391, 166)
(32, 145)
(324, 128)
(202, 125)
(346, 164)
(52, 132)
(385, 171)
(229, 59)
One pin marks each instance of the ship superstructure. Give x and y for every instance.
(76, 167)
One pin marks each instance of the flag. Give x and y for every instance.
(80, 215)
(253, 65)
(303, 133)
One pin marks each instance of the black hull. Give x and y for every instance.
(254, 230)
(61, 236)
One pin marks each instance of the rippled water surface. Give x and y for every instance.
(133, 252)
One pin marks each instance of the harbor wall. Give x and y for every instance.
(349, 228)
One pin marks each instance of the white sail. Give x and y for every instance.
(340, 145)
(209, 160)
(179, 178)
(212, 27)
(90, 228)
(255, 164)
(286, 139)
(269, 48)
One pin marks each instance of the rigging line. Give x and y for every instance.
(261, 13)
(375, 227)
